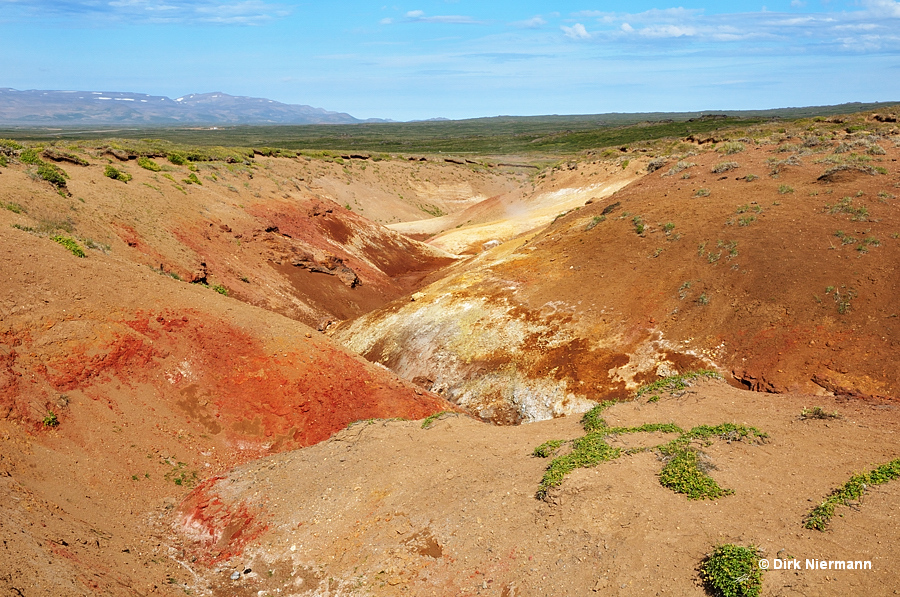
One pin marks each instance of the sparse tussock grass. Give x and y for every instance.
(817, 412)
(13, 207)
(678, 167)
(730, 147)
(845, 205)
(655, 164)
(776, 165)
(725, 167)
(594, 221)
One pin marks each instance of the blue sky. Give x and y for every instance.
(462, 58)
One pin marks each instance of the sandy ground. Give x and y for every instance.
(394, 509)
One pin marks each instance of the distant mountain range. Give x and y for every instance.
(37, 107)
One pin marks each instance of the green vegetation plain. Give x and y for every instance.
(500, 135)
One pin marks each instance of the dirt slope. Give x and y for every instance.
(121, 388)
(265, 230)
(780, 274)
(394, 509)
(503, 217)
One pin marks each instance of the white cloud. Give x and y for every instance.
(871, 25)
(667, 31)
(386, 21)
(883, 8)
(223, 12)
(532, 23)
(418, 16)
(797, 3)
(576, 31)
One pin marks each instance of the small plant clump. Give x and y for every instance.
(656, 164)
(685, 473)
(434, 417)
(725, 167)
(678, 167)
(177, 159)
(112, 172)
(220, 289)
(776, 165)
(702, 193)
(785, 189)
(842, 297)
(70, 243)
(730, 147)
(845, 206)
(548, 448)
(148, 164)
(732, 571)
(594, 221)
(50, 419)
(639, 225)
(13, 207)
(817, 412)
(819, 517)
(676, 383)
(30, 156)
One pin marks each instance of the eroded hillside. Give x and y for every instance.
(171, 420)
(774, 261)
(262, 229)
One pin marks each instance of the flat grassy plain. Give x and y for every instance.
(501, 135)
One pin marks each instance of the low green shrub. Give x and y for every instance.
(70, 243)
(52, 174)
(732, 571)
(30, 156)
(111, 172)
(819, 517)
(148, 164)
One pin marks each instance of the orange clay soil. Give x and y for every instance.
(155, 385)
